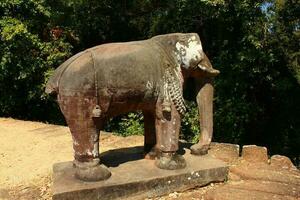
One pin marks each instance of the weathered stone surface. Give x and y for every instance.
(233, 177)
(254, 190)
(230, 193)
(253, 178)
(136, 178)
(256, 154)
(282, 162)
(260, 172)
(229, 153)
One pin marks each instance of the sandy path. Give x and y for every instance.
(29, 149)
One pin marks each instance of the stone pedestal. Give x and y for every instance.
(136, 178)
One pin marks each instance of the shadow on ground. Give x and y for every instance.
(116, 157)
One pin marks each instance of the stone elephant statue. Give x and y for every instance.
(148, 75)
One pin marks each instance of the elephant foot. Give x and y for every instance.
(170, 161)
(199, 149)
(91, 171)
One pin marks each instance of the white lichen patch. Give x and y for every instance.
(95, 151)
(149, 85)
(88, 152)
(193, 38)
(191, 52)
(178, 73)
(173, 195)
(75, 142)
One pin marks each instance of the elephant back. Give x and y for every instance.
(116, 66)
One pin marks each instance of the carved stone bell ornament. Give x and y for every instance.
(166, 106)
(97, 111)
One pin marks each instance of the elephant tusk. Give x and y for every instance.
(211, 71)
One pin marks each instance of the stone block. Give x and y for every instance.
(233, 193)
(136, 178)
(226, 152)
(282, 162)
(255, 154)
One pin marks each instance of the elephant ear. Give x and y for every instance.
(172, 89)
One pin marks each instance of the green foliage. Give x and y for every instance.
(126, 125)
(190, 127)
(26, 59)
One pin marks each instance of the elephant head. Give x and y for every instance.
(191, 57)
(191, 61)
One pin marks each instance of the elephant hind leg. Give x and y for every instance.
(149, 135)
(85, 132)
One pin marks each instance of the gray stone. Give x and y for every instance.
(137, 178)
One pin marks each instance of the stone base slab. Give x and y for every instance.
(136, 178)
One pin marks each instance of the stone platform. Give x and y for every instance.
(136, 178)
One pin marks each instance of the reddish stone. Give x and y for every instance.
(230, 193)
(233, 176)
(226, 152)
(255, 154)
(264, 172)
(282, 162)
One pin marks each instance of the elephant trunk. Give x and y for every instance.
(205, 107)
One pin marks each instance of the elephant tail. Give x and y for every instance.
(52, 86)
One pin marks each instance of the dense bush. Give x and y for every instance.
(125, 125)
(255, 44)
(28, 53)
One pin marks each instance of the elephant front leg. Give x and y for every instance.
(85, 132)
(167, 137)
(205, 105)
